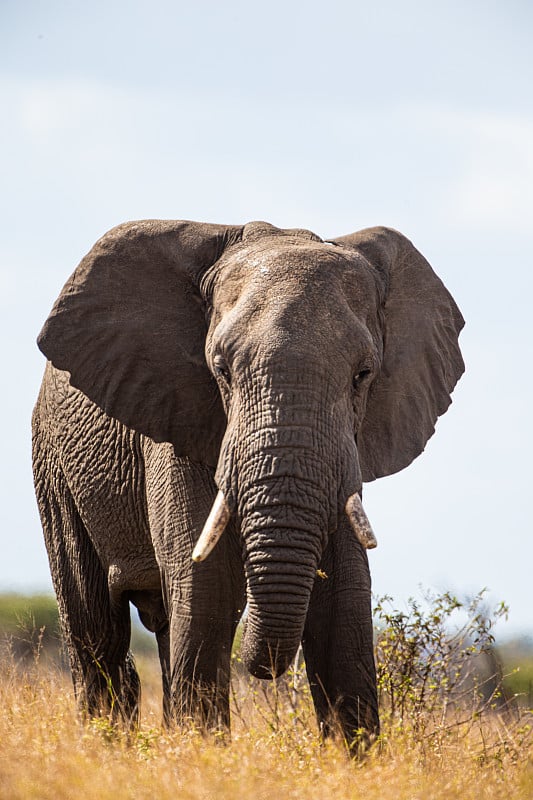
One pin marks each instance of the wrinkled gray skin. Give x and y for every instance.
(283, 370)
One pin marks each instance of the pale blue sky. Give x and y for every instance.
(331, 116)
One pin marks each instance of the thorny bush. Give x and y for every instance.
(435, 657)
(437, 671)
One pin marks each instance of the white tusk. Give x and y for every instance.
(213, 528)
(359, 522)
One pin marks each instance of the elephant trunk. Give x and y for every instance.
(286, 472)
(278, 593)
(284, 532)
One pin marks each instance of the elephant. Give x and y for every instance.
(213, 400)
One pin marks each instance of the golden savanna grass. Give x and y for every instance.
(275, 752)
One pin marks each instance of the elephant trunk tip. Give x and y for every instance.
(265, 655)
(270, 665)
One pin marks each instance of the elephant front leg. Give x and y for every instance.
(200, 674)
(338, 643)
(204, 601)
(205, 606)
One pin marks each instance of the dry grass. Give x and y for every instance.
(274, 753)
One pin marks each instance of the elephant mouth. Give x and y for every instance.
(220, 515)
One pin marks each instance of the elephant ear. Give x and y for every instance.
(130, 327)
(421, 359)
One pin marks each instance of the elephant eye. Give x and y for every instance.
(359, 378)
(221, 369)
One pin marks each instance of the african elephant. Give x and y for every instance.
(259, 373)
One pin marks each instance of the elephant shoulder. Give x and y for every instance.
(71, 418)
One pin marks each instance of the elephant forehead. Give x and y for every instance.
(269, 324)
(307, 299)
(276, 275)
(279, 256)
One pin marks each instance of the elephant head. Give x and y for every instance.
(295, 367)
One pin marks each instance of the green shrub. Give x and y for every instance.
(517, 660)
(436, 660)
(29, 625)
